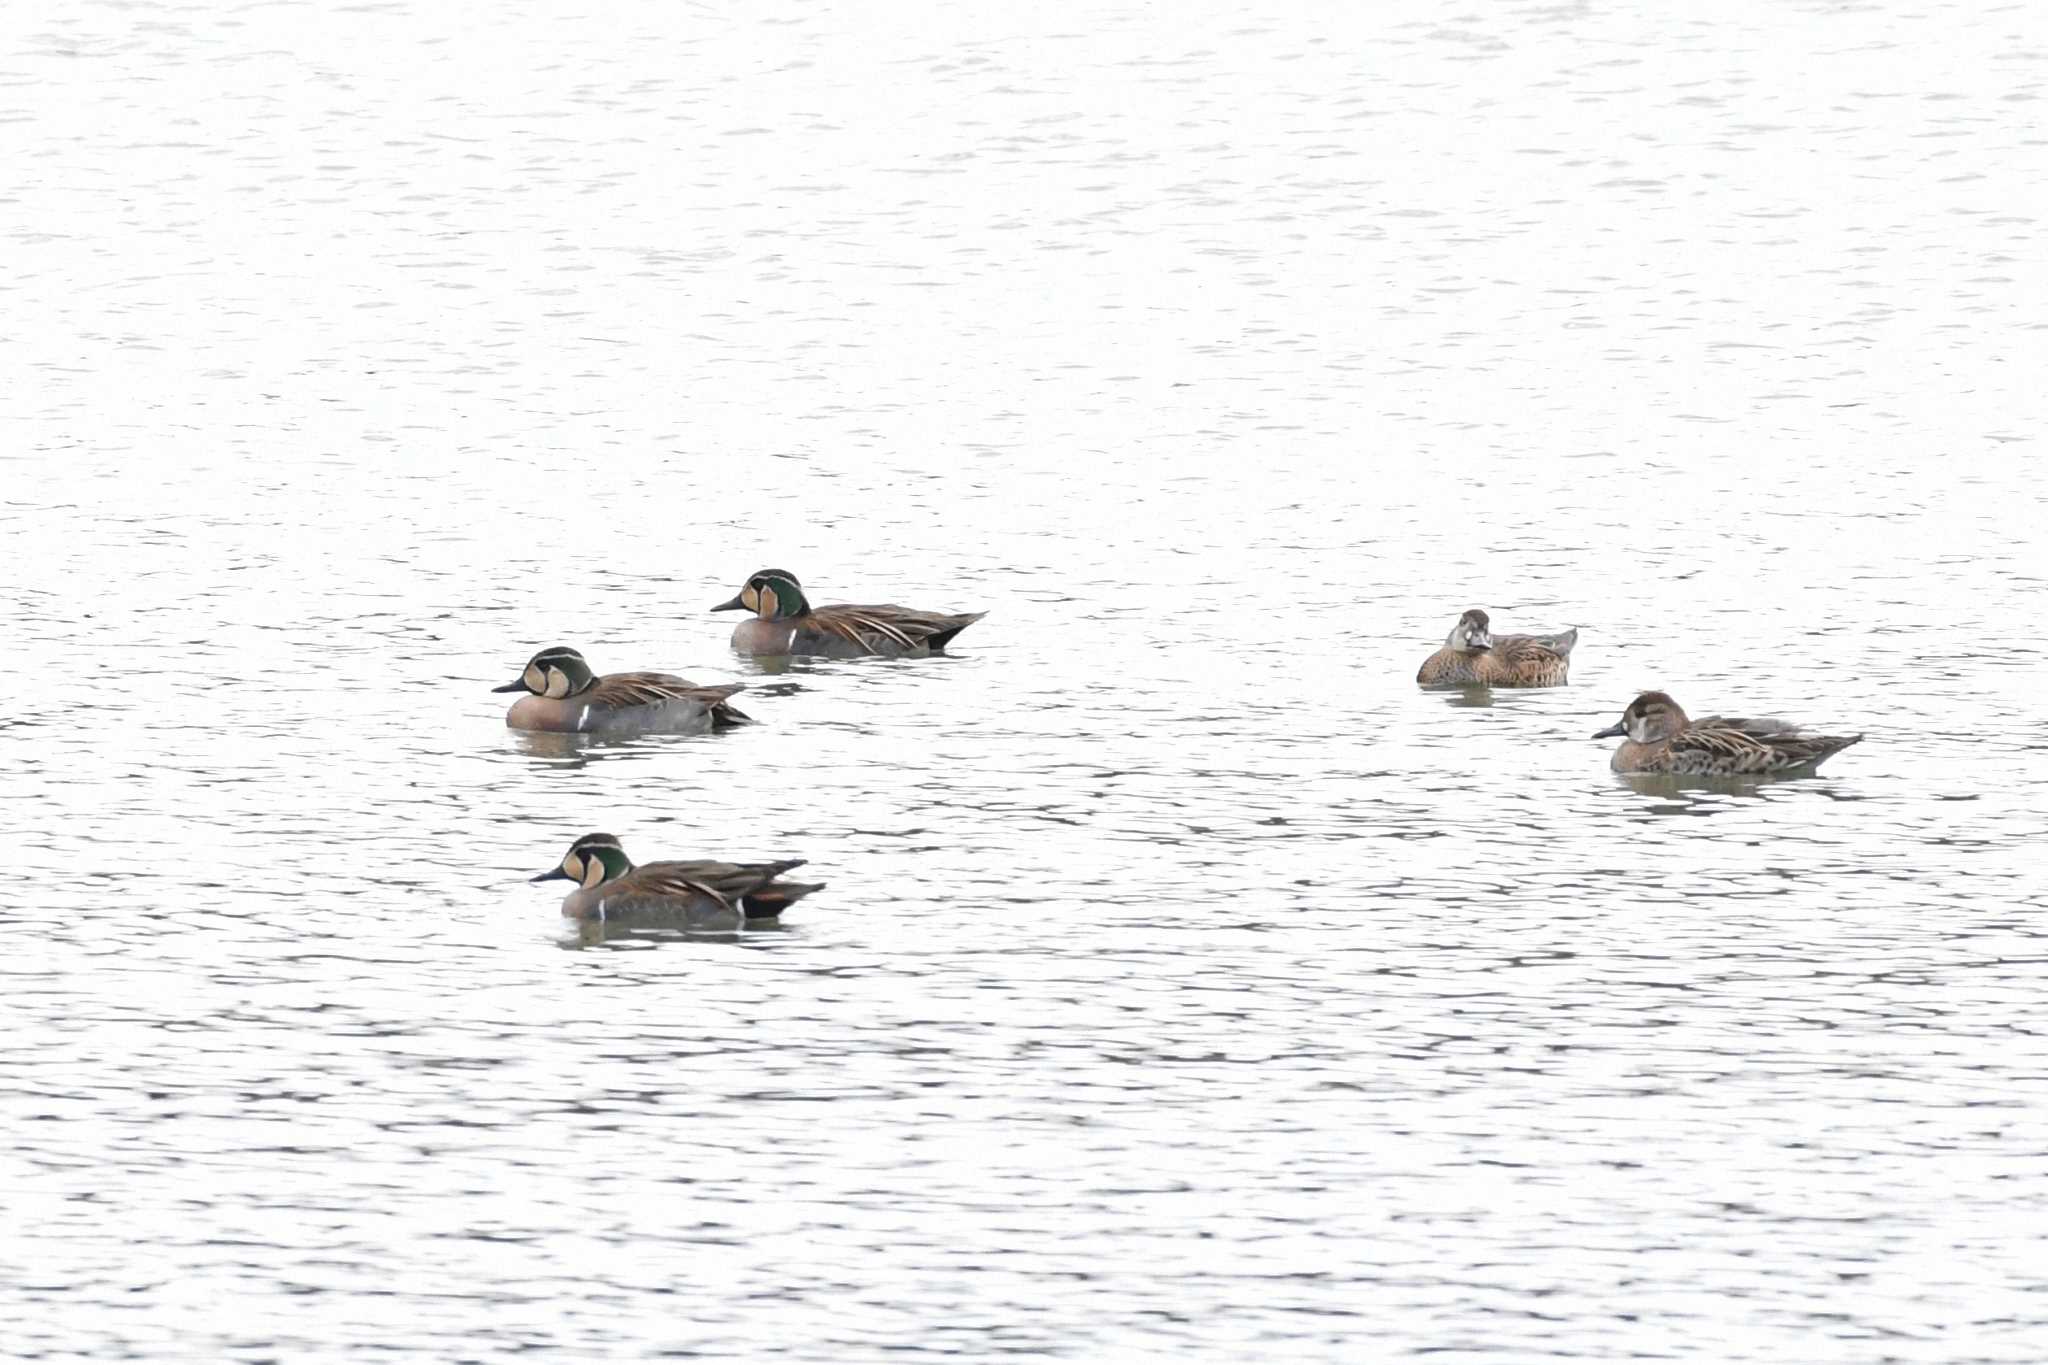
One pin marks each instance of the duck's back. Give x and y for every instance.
(751, 888)
(1744, 747)
(1536, 660)
(660, 703)
(852, 632)
(1559, 643)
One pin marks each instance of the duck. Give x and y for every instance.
(786, 623)
(700, 893)
(566, 697)
(1473, 656)
(1663, 739)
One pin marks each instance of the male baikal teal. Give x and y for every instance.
(564, 696)
(702, 894)
(786, 623)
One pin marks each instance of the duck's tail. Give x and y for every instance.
(771, 901)
(938, 640)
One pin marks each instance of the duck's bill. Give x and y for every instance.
(734, 605)
(553, 874)
(1618, 728)
(516, 685)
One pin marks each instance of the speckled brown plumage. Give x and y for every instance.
(1474, 657)
(1661, 738)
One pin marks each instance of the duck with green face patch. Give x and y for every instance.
(565, 697)
(1663, 739)
(610, 889)
(786, 623)
(1473, 656)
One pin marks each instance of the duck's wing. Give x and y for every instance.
(1558, 645)
(1733, 744)
(1713, 746)
(751, 888)
(651, 689)
(1526, 661)
(1530, 648)
(1759, 726)
(890, 629)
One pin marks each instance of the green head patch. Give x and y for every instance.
(774, 595)
(556, 672)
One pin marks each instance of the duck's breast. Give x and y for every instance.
(557, 715)
(1631, 757)
(1452, 668)
(756, 637)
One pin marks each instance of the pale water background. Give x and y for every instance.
(1188, 984)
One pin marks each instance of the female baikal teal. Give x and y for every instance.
(785, 623)
(1474, 656)
(699, 894)
(1663, 739)
(567, 698)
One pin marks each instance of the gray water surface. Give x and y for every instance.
(1187, 983)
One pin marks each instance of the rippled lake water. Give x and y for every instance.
(1186, 982)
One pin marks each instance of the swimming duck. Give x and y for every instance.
(702, 894)
(566, 697)
(1662, 739)
(1474, 657)
(785, 623)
